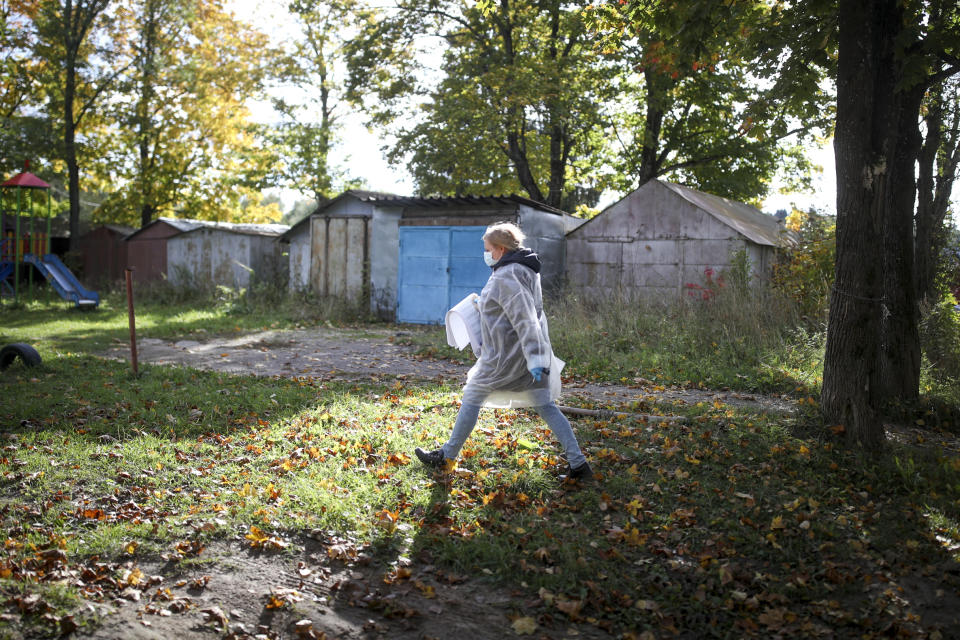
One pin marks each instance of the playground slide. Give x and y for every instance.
(63, 280)
(6, 270)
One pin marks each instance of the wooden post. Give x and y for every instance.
(133, 324)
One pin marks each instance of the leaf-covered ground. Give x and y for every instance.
(187, 502)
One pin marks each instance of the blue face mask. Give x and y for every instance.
(488, 258)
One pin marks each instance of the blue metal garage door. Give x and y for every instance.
(439, 266)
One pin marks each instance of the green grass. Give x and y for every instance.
(729, 525)
(740, 341)
(748, 342)
(58, 327)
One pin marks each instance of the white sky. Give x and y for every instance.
(362, 157)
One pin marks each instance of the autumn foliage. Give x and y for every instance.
(805, 270)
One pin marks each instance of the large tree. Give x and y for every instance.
(890, 53)
(938, 163)
(699, 110)
(312, 106)
(885, 56)
(82, 46)
(25, 131)
(515, 100)
(183, 143)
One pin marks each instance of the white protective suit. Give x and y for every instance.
(515, 340)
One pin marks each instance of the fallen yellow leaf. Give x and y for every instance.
(524, 626)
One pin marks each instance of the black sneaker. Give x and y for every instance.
(433, 458)
(579, 474)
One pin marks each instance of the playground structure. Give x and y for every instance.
(28, 247)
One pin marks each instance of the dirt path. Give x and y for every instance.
(318, 353)
(372, 353)
(246, 595)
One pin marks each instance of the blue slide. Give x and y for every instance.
(6, 270)
(63, 280)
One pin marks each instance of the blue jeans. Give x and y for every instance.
(558, 423)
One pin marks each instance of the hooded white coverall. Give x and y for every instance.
(515, 340)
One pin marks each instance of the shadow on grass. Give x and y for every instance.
(725, 528)
(98, 398)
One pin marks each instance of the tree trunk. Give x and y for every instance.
(898, 373)
(72, 23)
(518, 156)
(652, 127)
(559, 147)
(939, 160)
(559, 150)
(925, 252)
(70, 147)
(864, 116)
(146, 214)
(148, 47)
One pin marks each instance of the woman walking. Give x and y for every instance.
(513, 369)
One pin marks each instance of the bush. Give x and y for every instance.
(805, 271)
(188, 289)
(940, 337)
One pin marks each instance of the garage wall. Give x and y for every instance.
(147, 251)
(300, 248)
(384, 258)
(339, 255)
(298, 257)
(545, 235)
(209, 257)
(649, 245)
(214, 256)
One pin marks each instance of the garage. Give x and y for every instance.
(439, 266)
(414, 257)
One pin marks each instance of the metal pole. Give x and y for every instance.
(133, 323)
(4, 249)
(47, 243)
(18, 253)
(32, 245)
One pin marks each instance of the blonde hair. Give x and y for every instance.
(505, 234)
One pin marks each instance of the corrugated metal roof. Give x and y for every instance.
(363, 194)
(448, 201)
(119, 228)
(360, 194)
(244, 228)
(177, 223)
(180, 224)
(185, 225)
(748, 220)
(392, 199)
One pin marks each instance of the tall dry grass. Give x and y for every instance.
(735, 336)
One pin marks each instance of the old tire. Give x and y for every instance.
(27, 354)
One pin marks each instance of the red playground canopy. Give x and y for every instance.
(26, 180)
